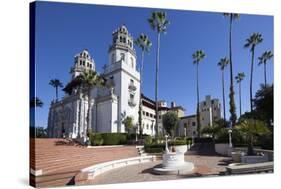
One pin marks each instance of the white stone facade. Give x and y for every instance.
(110, 105)
(67, 117)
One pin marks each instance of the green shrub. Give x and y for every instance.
(189, 140)
(132, 136)
(177, 142)
(147, 146)
(95, 139)
(158, 139)
(222, 136)
(154, 150)
(114, 138)
(148, 140)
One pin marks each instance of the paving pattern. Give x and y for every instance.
(60, 160)
(205, 165)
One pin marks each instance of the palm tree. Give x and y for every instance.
(232, 110)
(56, 84)
(128, 122)
(144, 44)
(239, 78)
(222, 64)
(213, 131)
(252, 42)
(197, 57)
(159, 23)
(267, 55)
(35, 102)
(251, 128)
(88, 79)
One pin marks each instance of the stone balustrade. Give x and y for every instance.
(98, 169)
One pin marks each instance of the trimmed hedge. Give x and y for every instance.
(154, 148)
(98, 139)
(114, 138)
(178, 142)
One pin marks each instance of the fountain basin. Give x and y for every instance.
(173, 163)
(173, 159)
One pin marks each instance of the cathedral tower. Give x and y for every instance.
(82, 62)
(121, 68)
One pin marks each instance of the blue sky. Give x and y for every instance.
(64, 29)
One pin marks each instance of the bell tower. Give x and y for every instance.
(82, 62)
(121, 67)
(122, 48)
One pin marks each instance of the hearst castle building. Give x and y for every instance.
(110, 105)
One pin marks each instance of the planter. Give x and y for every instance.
(254, 159)
(222, 148)
(236, 156)
(180, 148)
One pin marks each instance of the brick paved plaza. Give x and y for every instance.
(61, 161)
(204, 166)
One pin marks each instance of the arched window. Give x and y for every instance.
(122, 56)
(132, 62)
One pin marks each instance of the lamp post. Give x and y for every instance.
(230, 140)
(137, 127)
(167, 149)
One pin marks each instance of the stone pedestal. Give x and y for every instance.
(173, 163)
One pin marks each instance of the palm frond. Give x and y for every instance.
(158, 21)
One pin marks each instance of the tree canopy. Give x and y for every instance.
(170, 122)
(128, 122)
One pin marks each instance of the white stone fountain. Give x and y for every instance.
(173, 163)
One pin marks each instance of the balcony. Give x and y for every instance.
(132, 102)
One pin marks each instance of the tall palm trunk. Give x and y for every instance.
(250, 150)
(197, 110)
(240, 108)
(231, 94)
(251, 79)
(89, 113)
(56, 93)
(140, 100)
(223, 94)
(156, 82)
(264, 74)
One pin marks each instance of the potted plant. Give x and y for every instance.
(170, 124)
(179, 146)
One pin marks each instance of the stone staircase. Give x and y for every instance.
(60, 159)
(141, 151)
